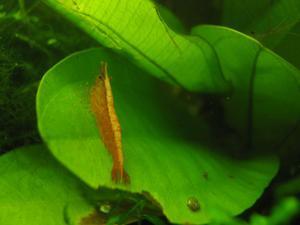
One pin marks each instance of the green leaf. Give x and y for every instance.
(267, 20)
(291, 187)
(263, 107)
(276, 24)
(36, 190)
(167, 151)
(136, 29)
(283, 213)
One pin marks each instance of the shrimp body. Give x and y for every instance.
(102, 104)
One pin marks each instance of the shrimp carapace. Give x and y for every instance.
(102, 104)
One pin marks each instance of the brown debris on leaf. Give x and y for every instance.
(93, 219)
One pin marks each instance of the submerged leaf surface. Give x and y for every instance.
(36, 189)
(167, 151)
(136, 28)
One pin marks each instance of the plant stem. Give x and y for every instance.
(22, 8)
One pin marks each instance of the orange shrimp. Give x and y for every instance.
(102, 104)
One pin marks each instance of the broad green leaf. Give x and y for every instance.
(36, 190)
(168, 153)
(267, 20)
(264, 106)
(273, 23)
(283, 213)
(136, 29)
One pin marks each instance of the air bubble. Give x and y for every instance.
(193, 204)
(105, 208)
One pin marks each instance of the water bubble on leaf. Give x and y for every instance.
(105, 208)
(193, 204)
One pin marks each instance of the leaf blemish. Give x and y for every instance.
(76, 5)
(102, 105)
(231, 176)
(93, 218)
(205, 175)
(193, 204)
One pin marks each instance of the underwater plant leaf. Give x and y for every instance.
(263, 107)
(266, 20)
(167, 151)
(284, 212)
(36, 189)
(136, 28)
(289, 188)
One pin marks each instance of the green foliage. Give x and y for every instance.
(140, 28)
(192, 157)
(264, 104)
(35, 189)
(157, 136)
(274, 23)
(30, 42)
(229, 62)
(282, 214)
